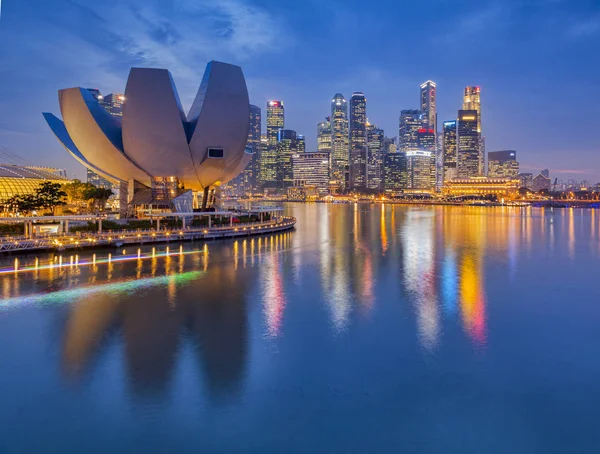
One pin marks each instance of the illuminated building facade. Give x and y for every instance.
(97, 180)
(358, 141)
(395, 172)
(288, 144)
(339, 141)
(411, 121)
(449, 149)
(503, 164)
(247, 182)
(472, 101)
(482, 186)
(113, 103)
(468, 145)
(526, 180)
(375, 157)
(24, 180)
(312, 169)
(420, 170)
(428, 105)
(324, 136)
(426, 139)
(269, 158)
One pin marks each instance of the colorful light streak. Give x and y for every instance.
(117, 288)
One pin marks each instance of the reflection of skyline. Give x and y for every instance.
(206, 309)
(209, 311)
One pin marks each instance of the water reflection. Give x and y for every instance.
(209, 312)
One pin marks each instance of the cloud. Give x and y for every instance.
(584, 28)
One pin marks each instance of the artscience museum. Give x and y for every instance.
(156, 149)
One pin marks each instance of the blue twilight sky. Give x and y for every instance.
(537, 61)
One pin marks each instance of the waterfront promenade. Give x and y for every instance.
(127, 237)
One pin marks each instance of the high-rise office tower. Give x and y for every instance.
(472, 101)
(503, 164)
(410, 123)
(426, 139)
(275, 120)
(394, 172)
(468, 145)
(288, 145)
(113, 102)
(269, 158)
(311, 170)
(375, 157)
(449, 150)
(324, 136)
(428, 105)
(420, 170)
(339, 141)
(250, 175)
(301, 143)
(358, 141)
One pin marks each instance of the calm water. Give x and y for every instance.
(368, 329)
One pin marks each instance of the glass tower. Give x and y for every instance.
(269, 159)
(449, 150)
(339, 141)
(411, 121)
(375, 157)
(358, 141)
(428, 105)
(468, 145)
(324, 136)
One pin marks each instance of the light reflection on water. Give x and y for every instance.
(364, 302)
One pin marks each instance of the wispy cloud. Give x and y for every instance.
(584, 28)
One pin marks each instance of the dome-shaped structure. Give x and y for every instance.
(154, 138)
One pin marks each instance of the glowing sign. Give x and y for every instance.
(468, 117)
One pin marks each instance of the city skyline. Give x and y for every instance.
(99, 54)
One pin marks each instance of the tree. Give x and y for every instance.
(23, 203)
(97, 197)
(50, 195)
(523, 192)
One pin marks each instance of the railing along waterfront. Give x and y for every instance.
(123, 237)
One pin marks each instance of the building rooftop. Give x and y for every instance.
(39, 173)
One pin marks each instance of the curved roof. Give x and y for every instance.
(154, 137)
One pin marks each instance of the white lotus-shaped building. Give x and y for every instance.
(154, 139)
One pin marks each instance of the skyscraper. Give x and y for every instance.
(410, 123)
(269, 164)
(251, 173)
(288, 144)
(311, 170)
(375, 157)
(449, 150)
(113, 102)
(420, 170)
(428, 105)
(503, 164)
(468, 145)
(358, 141)
(426, 139)
(339, 141)
(324, 136)
(394, 172)
(472, 101)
